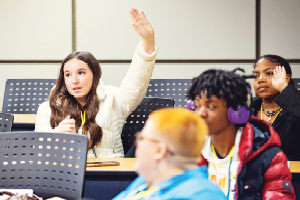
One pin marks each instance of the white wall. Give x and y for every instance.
(110, 77)
(191, 29)
(280, 32)
(35, 29)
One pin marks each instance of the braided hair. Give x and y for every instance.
(280, 60)
(224, 84)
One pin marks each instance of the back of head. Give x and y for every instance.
(224, 84)
(183, 131)
(281, 61)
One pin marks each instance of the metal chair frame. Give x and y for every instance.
(136, 120)
(169, 88)
(6, 122)
(23, 96)
(52, 164)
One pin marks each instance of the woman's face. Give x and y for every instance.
(263, 74)
(78, 79)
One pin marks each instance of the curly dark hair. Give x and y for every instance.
(224, 84)
(281, 61)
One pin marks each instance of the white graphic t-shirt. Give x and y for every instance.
(223, 172)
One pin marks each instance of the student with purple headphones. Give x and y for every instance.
(242, 153)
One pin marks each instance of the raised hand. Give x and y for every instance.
(280, 80)
(144, 29)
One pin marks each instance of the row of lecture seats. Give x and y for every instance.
(6, 122)
(54, 164)
(134, 123)
(24, 97)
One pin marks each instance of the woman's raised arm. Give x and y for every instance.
(144, 29)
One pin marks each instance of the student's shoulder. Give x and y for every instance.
(44, 106)
(270, 158)
(136, 183)
(44, 110)
(205, 188)
(110, 89)
(105, 90)
(217, 195)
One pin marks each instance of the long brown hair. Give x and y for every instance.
(63, 104)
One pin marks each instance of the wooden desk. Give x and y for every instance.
(25, 118)
(295, 169)
(108, 181)
(295, 166)
(126, 165)
(24, 122)
(125, 169)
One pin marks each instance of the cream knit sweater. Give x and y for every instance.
(115, 105)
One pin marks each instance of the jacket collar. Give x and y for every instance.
(257, 136)
(207, 150)
(101, 90)
(254, 140)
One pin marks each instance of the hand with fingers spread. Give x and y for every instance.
(144, 29)
(56, 198)
(66, 126)
(280, 80)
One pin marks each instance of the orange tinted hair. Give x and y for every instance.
(183, 131)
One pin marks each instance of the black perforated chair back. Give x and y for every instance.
(52, 164)
(23, 96)
(6, 121)
(169, 88)
(297, 83)
(136, 120)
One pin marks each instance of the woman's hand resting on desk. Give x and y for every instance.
(66, 126)
(144, 29)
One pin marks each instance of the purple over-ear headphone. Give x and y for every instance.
(191, 105)
(239, 116)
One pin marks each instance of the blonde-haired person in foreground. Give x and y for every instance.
(167, 156)
(168, 150)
